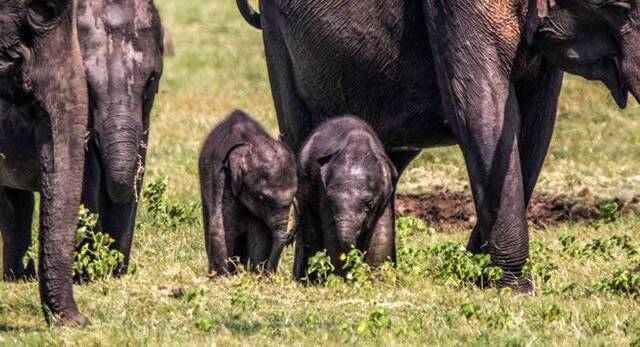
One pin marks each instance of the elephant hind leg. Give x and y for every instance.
(16, 217)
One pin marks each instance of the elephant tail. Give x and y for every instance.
(249, 14)
(291, 238)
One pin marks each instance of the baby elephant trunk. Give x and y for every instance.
(121, 147)
(347, 233)
(280, 235)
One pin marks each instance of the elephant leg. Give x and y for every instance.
(118, 220)
(294, 119)
(307, 244)
(260, 243)
(538, 95)
(214, 213)
(16, 217)
(480, 102)
(402, 158)
(59, 201)
(92, 180)
(381, 245)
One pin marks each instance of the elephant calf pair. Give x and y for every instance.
(344, 183)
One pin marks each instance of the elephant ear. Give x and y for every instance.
(323, 162)
(236, 165)
(538, 11)
(44, 15)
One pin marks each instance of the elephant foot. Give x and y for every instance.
(518, 284)
(27, 274)
(120, 271)
(74, 320)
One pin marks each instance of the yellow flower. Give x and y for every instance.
(111, 240)
(343, 256)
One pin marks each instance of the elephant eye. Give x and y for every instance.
(369, 205)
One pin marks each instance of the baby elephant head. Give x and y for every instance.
(263, 178)
(358, 185)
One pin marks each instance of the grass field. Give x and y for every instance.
(582, 297)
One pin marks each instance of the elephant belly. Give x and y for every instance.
(19, 159)
(370, 59)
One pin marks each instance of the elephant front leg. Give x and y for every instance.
(59, 203)
(381, 245)
(473, 69)
(16, 217)
(307, 244)
(218, 209)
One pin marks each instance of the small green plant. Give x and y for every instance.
(375, 324)
(471, 310)
(623, 280)
(552, 313)
(407, 226)
(358, 272)
(165, 214)
(569, 245)
(599, 248)
(95, 259)
(454, 265)
(608, 213)
(205, 325)
(320, 266)
(538, 266)
(240, 300)
(30, 256)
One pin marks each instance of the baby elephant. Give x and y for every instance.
(248, 182)
(345, 195)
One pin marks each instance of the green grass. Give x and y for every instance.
(169, 300)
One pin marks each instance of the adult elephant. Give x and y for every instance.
(43, 122)
(122, 46)
(485, 75)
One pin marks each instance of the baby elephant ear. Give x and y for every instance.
(538, 11)
(324, 168)
(235, 167)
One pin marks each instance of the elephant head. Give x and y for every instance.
(122, 46)
(357, 183)
(596, 39)
(264, 180)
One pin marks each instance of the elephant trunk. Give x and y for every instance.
(279, 226)
(347, 232)
(120, 147)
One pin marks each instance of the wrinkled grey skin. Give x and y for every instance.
(481, 74)
(122, 44)
(248, 182)
(43, 122)
(345, 195)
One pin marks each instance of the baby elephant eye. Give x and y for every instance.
(369, 206)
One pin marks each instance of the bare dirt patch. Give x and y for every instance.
(456, 209)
